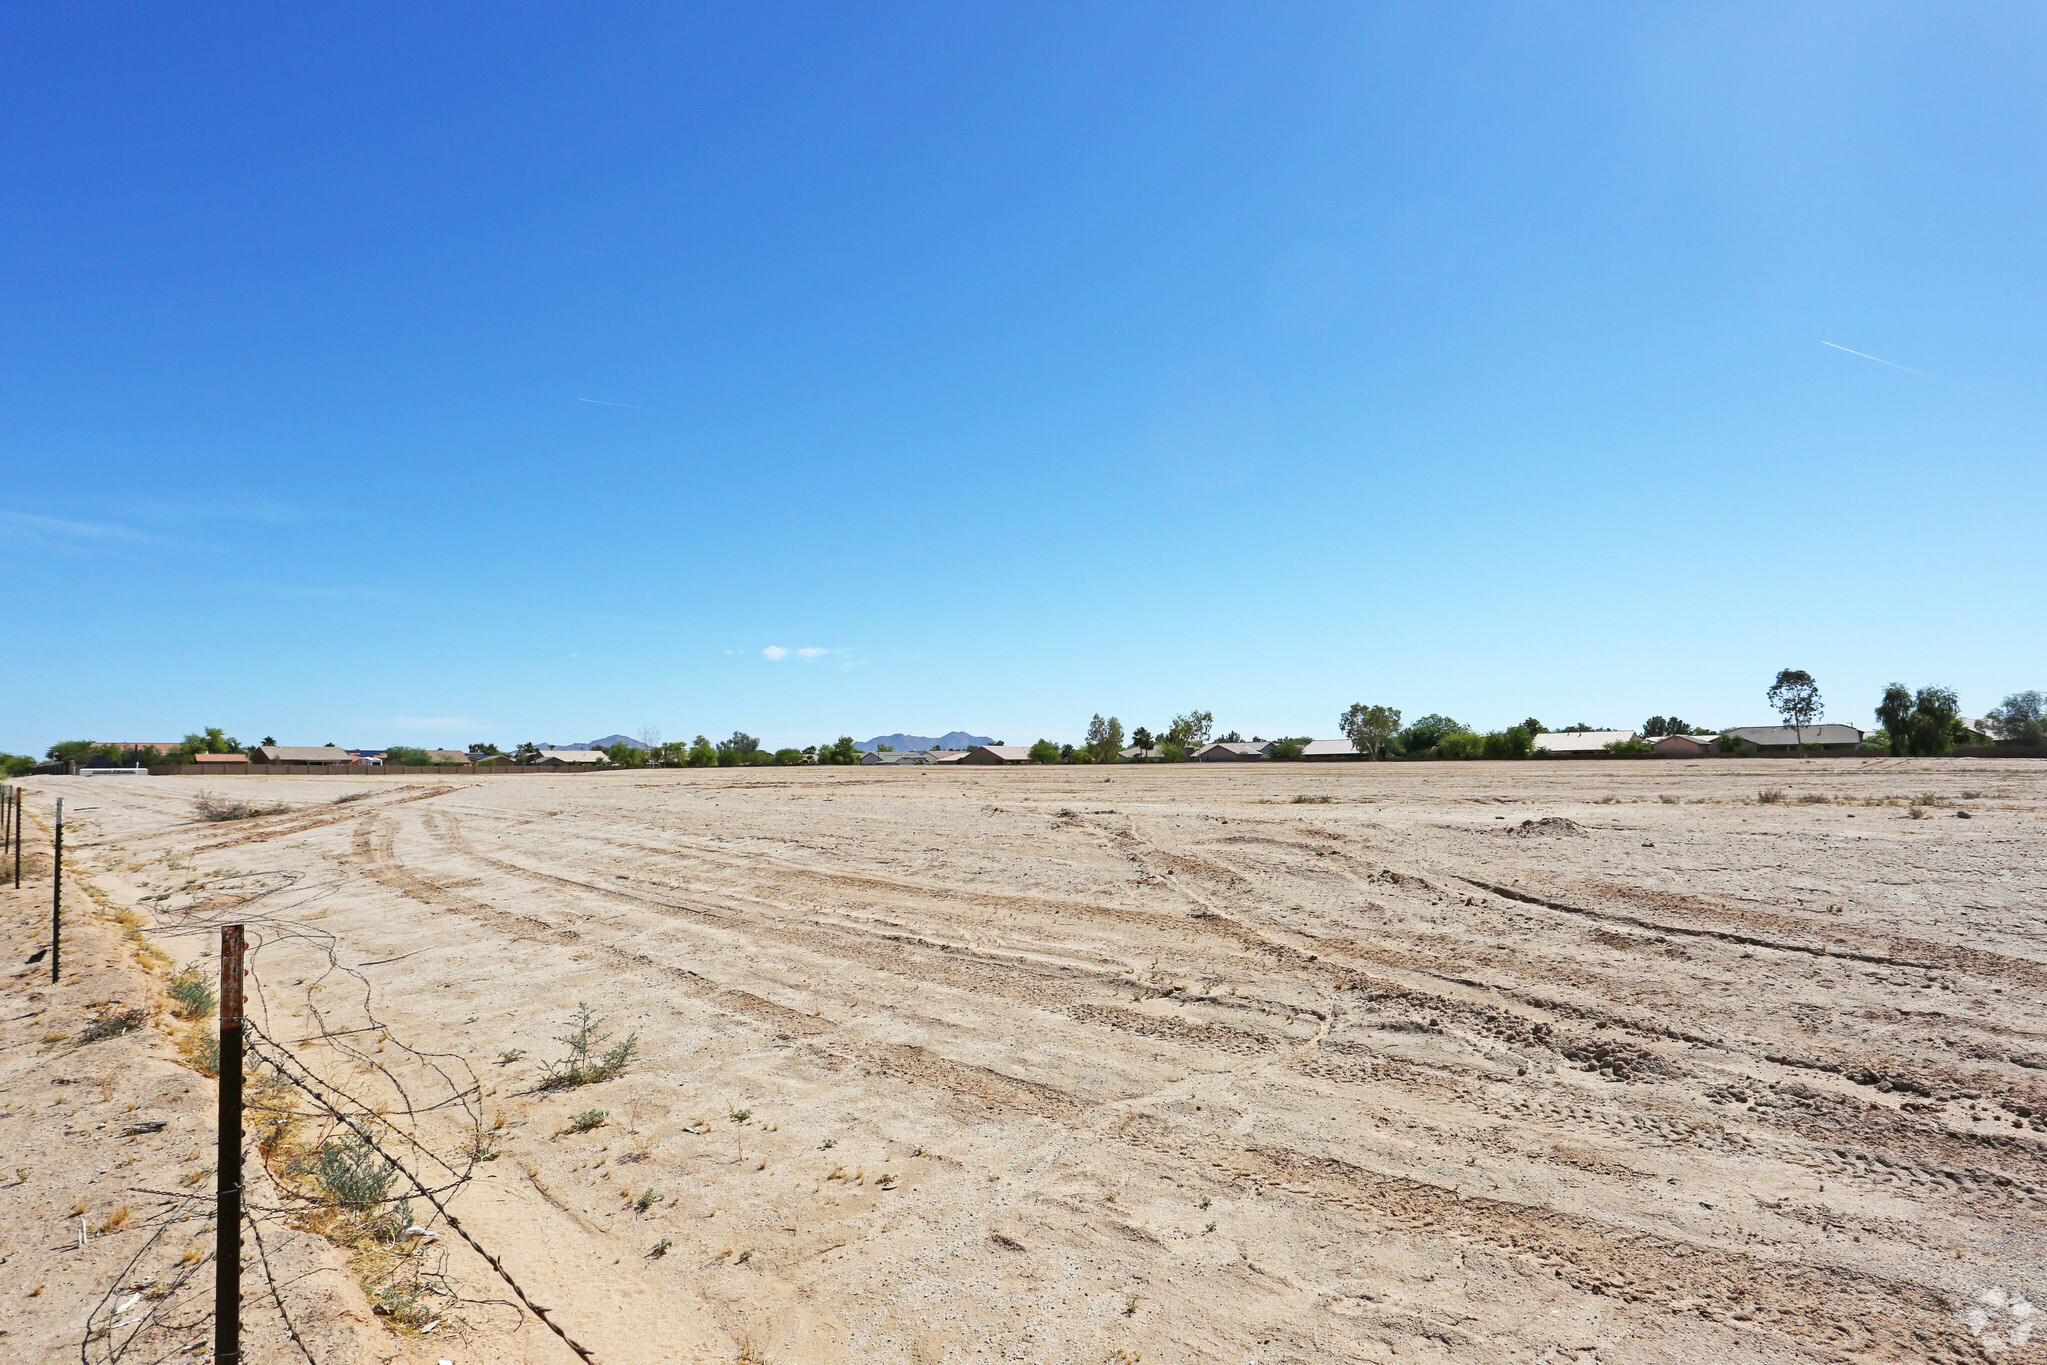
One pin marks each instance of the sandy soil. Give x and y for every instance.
(1602, 1061)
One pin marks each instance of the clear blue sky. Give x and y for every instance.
(445, 373)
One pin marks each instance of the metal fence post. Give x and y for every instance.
(57, 897)
(227, 1217)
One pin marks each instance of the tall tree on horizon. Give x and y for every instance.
(1796, 698)
(1369, 727)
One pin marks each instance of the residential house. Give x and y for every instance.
(998, 754)
(1684, 746)
(304, 755)
(491, 760)
(1231, 752)
(1582, 741)
(1331, 751)
(223, 762)
(1785, 739)
(1137, 754)
(946, 755)
(447, 755)
(893, 759)
(570, 758)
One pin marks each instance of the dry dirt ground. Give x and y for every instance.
(1596, 1061)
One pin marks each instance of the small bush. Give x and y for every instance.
(207, 806)
(586, 1064)
(1669, 800)
(1770, 796)
(1929, 799)
(192, 995)
(588, 1119)
(647, 1201)
(353, 1174)
(1815, 799)
(660, 1248)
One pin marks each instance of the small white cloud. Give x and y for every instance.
(776, 652)
(811, 652)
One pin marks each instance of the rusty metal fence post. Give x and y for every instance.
(57, 898)
(227, 1217)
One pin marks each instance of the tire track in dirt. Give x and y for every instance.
(374, 851)
(320, 822)
(971, 971)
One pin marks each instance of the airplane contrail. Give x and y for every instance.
(634, 406)
(1878, 359)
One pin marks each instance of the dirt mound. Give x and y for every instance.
(1548, 825)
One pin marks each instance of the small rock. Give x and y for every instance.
(1963, 815)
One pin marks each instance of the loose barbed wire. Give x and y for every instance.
(274, 904)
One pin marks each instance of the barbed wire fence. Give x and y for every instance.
(343, 1159)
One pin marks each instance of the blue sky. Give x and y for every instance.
(455, 373)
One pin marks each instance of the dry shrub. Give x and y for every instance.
(1670, 800)
(207, 806)
(113, 1024)
(1815, 799)
(1770, 796)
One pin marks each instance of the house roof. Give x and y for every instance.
(573, 756)
(1008, 753)
(1695, 741)
(1766, 735)
(946, 755)
(304, 753)
(1241, 750)
(1583, 741)
(220, 758)
(1329, 748)
(448, 755)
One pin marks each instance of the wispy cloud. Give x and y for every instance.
(55, 533)
(811, 652)
(775, 652)
(226, 507)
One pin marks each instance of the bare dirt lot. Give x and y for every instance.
(1598, 1061)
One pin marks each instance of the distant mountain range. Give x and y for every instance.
(903, 744)
(604, 743)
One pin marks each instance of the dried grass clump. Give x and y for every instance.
(207, 806)
(1815, 799)
(1770, 796)
(113, 1024)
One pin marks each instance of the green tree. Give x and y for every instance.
(1462, 744)
(400, 756)
(2021, 719)
(626, 755)
(1796, 699)
(1288, 748)
(1428, 732)
(884, 748)
(701, 754)
(1533, 726)
(1191, 730)
(1936, 720)
(1104, 739)
(1514, 742)
(1369, 727)
(529, 752)
(484, 751)
(741, 743)
(842, 752)
(16, 765)
(786, 757)
(1044, 751)
(1894, 714)
(1141, 737)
